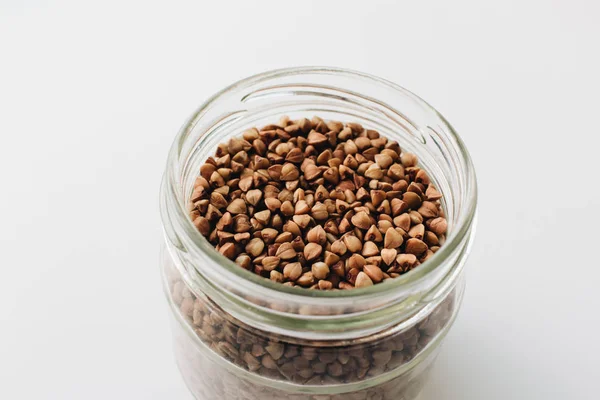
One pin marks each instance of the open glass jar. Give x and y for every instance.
(240, 336)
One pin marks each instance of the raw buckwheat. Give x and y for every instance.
(318, 204)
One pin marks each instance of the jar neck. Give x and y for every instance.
(301, 313)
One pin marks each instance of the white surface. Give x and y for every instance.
(91, 97)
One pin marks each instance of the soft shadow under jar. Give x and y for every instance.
(240, 336)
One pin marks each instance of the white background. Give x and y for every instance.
(91, 96)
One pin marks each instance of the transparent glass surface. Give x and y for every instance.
(267, 340)
(219, 355)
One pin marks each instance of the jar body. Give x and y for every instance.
(221, 357)
(241, 336)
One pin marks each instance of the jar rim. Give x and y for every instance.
(172, 188)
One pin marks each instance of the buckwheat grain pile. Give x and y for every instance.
(318, 204)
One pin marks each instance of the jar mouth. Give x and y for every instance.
(174, 195)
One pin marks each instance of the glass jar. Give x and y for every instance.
(240, 336)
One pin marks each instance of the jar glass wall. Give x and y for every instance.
(240, 336)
